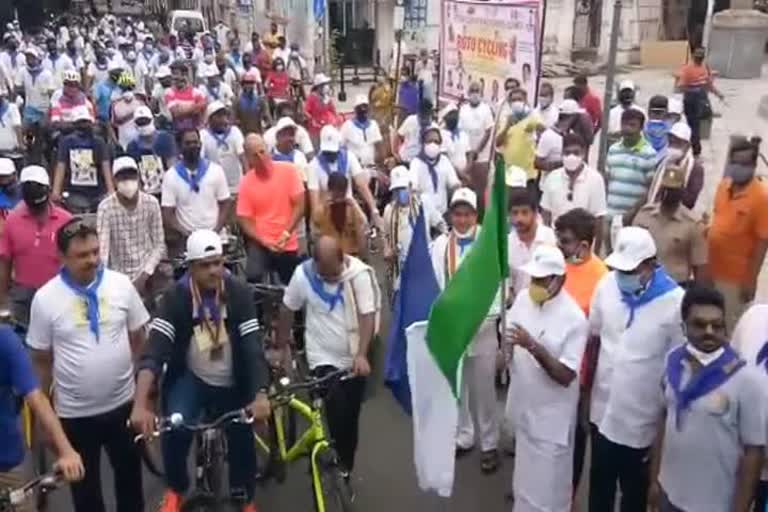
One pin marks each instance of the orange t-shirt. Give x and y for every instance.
(581, 280)
(268, 201)
(739, 222)
(693, 75)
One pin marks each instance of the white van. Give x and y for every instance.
(187, 21)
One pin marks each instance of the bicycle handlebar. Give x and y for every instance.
(287, 388)
(176, 422)
(46, 482)
(267, 289)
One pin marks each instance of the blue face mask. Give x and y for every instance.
(656, 131)
(629, 283)
(403, 197)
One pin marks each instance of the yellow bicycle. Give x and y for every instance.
(330, 489)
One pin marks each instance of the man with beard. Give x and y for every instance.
(341, 218)
(680, 242)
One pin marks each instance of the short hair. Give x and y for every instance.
(519, 196)
(180, 134)
(519, 90)
(75, 227)
(547, 85)
(701, 295)
(742, 143)
(580, 79)
(573, 139)
(578, 221)
(658, 101)
(337, 181)
(633, 114)
(430, 129)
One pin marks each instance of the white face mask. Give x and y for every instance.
(545, 101)
(704, 357)
(145, 130)
(128, 188)
(572, 162)
(517, 107)
(432, 150)
(674, 153)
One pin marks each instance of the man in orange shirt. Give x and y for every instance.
(270, 205)
(738, 236)
(575, 232)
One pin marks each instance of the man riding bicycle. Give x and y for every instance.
(207, 333)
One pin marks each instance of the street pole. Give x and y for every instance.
(707, 24)
(609, 80)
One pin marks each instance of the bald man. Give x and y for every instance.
(270, 205)
(342, 299)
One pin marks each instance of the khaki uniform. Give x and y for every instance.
(680, 241)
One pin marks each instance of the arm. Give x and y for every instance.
(483, 141)
(654, 491)
(747, 476)
(221, 220)
(285, 322)
(755, 264)
(106, 172)
(137, 340)
(298, 209)
(69, 461)
(171, 221)
(58, 181)
(251, 340)
(5, 280)
(158, 237)
(42, 360)
(546, 215)
(103, 231)
(361, 184)
(501, 138)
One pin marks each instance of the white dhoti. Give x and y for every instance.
(542, 475)
(477, 405)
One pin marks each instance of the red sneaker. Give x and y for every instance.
(250, 508)
(171, 502)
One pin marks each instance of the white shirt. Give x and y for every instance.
(58, 67)
(91, 376)
(230, 79)
(588, 192)
(302, 140)
(550, 146)
(12, 64)
(317, 179)
(410, 131)
(614, 119)
(9, 122)
(475, 121)
(196, 210)
(98, 75)
(282, 53)
(139, 71)
(361, 141)
(626, 396)
(224, 94)
(447, 180)
(543, 408)
(326, 335)
(301, 163)
(226, 151)
(519, 254)
(548, 115)
(456, 149)
(37, 90)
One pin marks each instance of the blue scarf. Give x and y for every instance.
(362, 125)
(762, 357)
(277, 156)
(250, 101)
(3, 109)
(656, 131)
(706, 380)
(318, 286)
(88, 293)
(220, 138)
(35, 72)
(341, 162)
(660, 284)
(213, 93)
(431, 168)
(192, 181)
(463, 243)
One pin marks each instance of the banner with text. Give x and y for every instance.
(488, 42)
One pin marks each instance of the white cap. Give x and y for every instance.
(142, 112)
(320, 79)
(162, 72)
(627, 84)
(130, 56)
(122, 163)
(81, 113)
(634, 245)
(399, 177)
(7, 168)
(361, 99)
(70, 75)
(31, 50)
(35, 174)
(283, 123)
(570, 106)
(466, 196)
(516, 177)
(546, 260)
(114, 65)
(681, 131)
(202, 244)
(447, 110)
(214, 107)
(330, 138)
(675, 106)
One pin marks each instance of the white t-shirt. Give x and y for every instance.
(98, 75)
(12, 64)
(456, 149)
(410, 131)
(475, 121)
(303, 141)
(614, 119)
(548, 115)
(91, 376)
(196, 210)
(519, 254)
(447, 180)
(139, 71)
(37, 90)
(361, 142)
(326, 334)
(58, 67)
(225, 151)
(300, 161)
(588, 192)
(317, 179)
(10, 120)
(550, 146)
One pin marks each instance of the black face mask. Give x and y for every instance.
(361, 115)
(10, 189)
(330, 156)
(191, 154)
(35, 196)
(626, 98)
(452, 121)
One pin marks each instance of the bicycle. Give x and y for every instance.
(10, 499)
(330, 489)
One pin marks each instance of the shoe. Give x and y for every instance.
(171, 502)
(350, 490)
(250, 507)
(462, 451)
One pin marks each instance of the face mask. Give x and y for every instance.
(575, 258)
(35, 196)
(626, 99)
(128, 188)
(572, 162)
(704, 357)
(629, 283)
(10, 189)
(474, 98)
(128, 95)
(675, 153)
(452, 122)
(545, 101)
(432, 150)
(538, 293)
(279, 68)
(191, 154)
(518, 107)
(739, 173)
(403, 197)
(362, 115)
(330, 156)
(325, 90)
(146, 130)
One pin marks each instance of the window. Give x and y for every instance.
(415, 14)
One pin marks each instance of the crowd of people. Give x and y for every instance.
(176, 143)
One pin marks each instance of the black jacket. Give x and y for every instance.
(171, 332)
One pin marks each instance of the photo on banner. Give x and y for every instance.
(488, 42)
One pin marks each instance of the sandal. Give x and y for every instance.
(489, 461)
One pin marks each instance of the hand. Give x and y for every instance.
(56, 197)
(141, 283)
(654, 496)
(70, 465)
(143, 420)
(389, 254)
(284, 237)
(377, 220)
(517, 335)
(747, 293)
(260, 408)
(361, 367)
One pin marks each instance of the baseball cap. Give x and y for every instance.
(283, 123)
(81, 113)
(570, 106)
(7, 168)
(516, 177)
(447, 110)
(361, 99)
(202, 244)
(31, 50)
(163, 72)
(681, 131)
(214, 107)
(35, 174)
(399, 177)
(546, 260)
(143, 112)
(627, 84)
(634, 245)
(320, 79)
(123, 163)
(330, 139)
(466, 196)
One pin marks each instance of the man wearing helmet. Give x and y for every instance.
(123, 109)
(70, 96)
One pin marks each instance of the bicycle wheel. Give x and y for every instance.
(330, 487)
(211, 464)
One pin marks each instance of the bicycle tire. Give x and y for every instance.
(333, 488)
(214, 469)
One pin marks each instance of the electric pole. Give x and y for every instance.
(610, 76)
